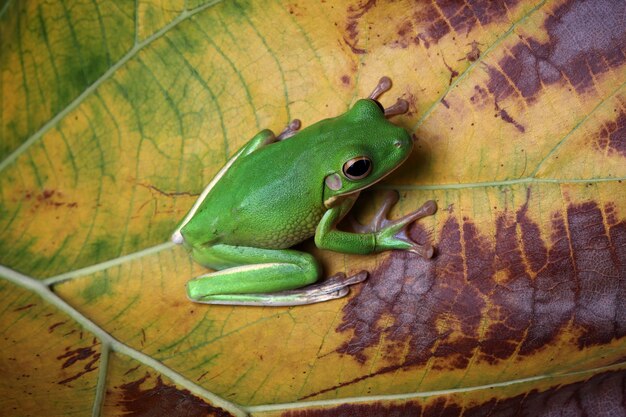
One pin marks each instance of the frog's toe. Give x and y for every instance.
(427, 209)
(399, 107)
(380, 219)
(430, 207)
(334, 283)
(384, 84)
(425, 251)
(291, 129)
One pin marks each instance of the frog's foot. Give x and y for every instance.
(400, 107)
(336, 283)
(384, 84)
(395, 230)
(291, 129)
(336, 286)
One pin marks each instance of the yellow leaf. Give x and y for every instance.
(115, 115)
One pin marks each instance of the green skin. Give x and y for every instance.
(274, 194)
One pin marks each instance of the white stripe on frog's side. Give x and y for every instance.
(246, 268)
(177, 237)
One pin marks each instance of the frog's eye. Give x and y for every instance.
(357, 168)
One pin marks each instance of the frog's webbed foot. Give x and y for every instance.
(396, 229)
(336, 286)
(399, 107)
(291, 129)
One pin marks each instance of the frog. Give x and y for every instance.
(280, 190)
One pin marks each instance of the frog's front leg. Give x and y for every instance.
(264, 277)
(291, 129)
(380, 235)
(392, 234)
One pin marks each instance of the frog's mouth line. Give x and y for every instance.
(330, 202)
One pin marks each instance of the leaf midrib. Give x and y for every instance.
(110, 344)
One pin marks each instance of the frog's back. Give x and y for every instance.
(262, 204)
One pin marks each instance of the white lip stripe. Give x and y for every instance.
(177, 237)
(245, 268)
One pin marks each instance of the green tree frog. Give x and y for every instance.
(277, 191)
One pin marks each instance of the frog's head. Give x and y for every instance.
(369, 148)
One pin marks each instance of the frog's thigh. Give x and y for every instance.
(251, 270)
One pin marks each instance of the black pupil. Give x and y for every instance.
(358, 168)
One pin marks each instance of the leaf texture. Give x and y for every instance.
(115, 115)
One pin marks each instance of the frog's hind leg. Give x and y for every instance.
(263, 277)
(263, 138)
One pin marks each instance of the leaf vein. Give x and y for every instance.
(99, 81)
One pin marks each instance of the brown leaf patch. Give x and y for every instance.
(74, 356)
(612, 137)
(528, 289)
(444, 16)
(355, 12)
(586, 38)
(163, 400)
(602, 395)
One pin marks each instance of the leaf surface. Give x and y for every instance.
(116, 115)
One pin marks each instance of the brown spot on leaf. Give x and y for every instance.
(586, 38)
(73, 356)
(47, 198)
(528, 288)
(474, 53)
(406, 34)
(453, 73)
(294, 10)
(444, 16)
(504, 115)
(352, 45)
(163, 400)
(480, 96)
(131, 370)
(612, 137)
(55, 325)
(354, 13)
(26, 307)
